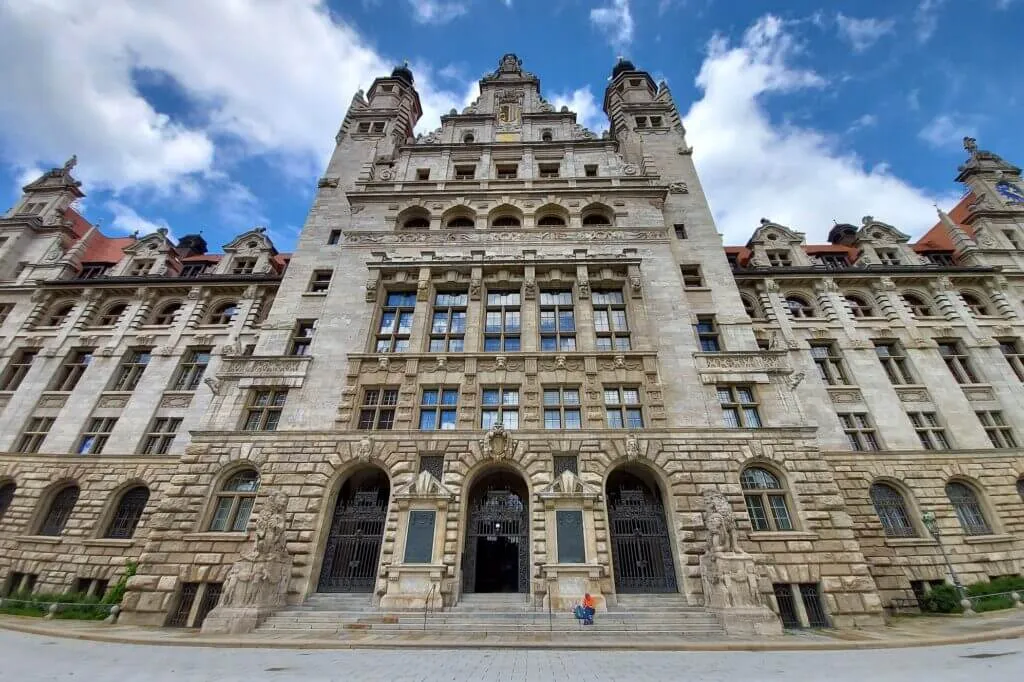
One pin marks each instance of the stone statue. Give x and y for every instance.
(720, 522)
(364, 449)
(71, 163)
(632, 446)
(970, 145)
(258, 582)
(796, 380)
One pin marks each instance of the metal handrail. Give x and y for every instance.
(428, 605)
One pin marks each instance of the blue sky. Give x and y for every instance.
(218, 115)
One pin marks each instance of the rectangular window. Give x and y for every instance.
(569, 536)
(448, 325)
(128, 374)
(192, 270)
(562, 408)
(320, 282)
(894, 362)
(17, 369)
(829, 363)
(499, 405)
(419, 538)
(93, 271)
(263, 410)
(34, 434)
(378, 409)
(465, 172)
(422, 174)
(955, 355)
(999, 432)
(334, 237)
(929, 430)
(888, 256)
(859, 431)
(507, 171)
(302, 337)
(779, 259)
(438, 409)
(141, 267)
(622, 407)
(692, 278)
(707, 334)
(502, 321)
(641, 121)
(834, 261)
(191, 370)
(739, 408)
(160, 435)
(95, 435)
(1012, 352)
(590, 170)
(378, 126)
(548, 170)
(71, 370)
(5, 311)
(557, 321)
(563, 463)
(942, 258)
(655, 121)
(243, 266)
(396, 322)
(364, 127)
(610, 320)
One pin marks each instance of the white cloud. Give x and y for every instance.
(751, 167)
(926, 18)
(128, 221)
(616, 22)
(437, 11)
(270, 77)
(863, 33)
(865, 121)
(947, 131)
(581, 101)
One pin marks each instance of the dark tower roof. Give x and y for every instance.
(192, 245)
(403, 73)
(842, 233)
(622, 66)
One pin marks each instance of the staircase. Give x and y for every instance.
(480, 615)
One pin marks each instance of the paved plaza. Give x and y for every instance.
(26, 658)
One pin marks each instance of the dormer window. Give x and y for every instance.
(32, 208)
(941, 258)
(634, 82)
(193, 269)
(243, 266)
(58, 315)
(141, 268)
(223, 314)
(834, 261)
(779, 259)
(888, 256)
(93, 271)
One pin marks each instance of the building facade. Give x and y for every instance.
(514, 356)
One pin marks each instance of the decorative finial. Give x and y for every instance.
(867, 220)
(621, 58)
(765, 221)
(135, 234)
(970, 145)
(71, 163)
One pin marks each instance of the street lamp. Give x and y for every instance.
(928, 518)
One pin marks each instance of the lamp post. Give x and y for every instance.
(928, 518)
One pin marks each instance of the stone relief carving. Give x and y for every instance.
(363, 450)
(498, 443)
(488, 237)
(632, 447)
(678, 188)
(636, 286)
(213, 384)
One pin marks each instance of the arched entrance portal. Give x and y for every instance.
(641, 549)
(497, 553)
(357, 529)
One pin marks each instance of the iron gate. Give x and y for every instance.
(641, 551)
(497, 514)
(353, 546)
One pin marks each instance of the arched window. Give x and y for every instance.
(58, 315)
(892, 511)
(551, 221)
(506, 221)
(546, 136)
(61, 506)
(6, 496)
(968, 509)
(167, 315)
(234, 502)
(766, 500)
(111, 315)
(595, 219)
(975, 304)
(416, 223)
(461, 222)
(223, 314)
(859, 307)
(918, 306)
(799, 307)
(129, 511)
(750, 307)
(597, 214)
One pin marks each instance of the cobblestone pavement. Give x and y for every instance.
(26, 658)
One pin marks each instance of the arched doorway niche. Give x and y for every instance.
(351, 556)
(496, 548)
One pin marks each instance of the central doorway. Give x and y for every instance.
(497, 553)
(641, 548)
(352, 553)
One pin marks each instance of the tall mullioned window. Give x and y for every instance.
(191, 370)
(438, 409)
(610, 320)
(766, 501)
(34, 434)
(622, 407)
(859, 431)
(892, 511)
(562, 408)
(557, 321)
(503, 322)
(829, 362)
(499, 404)
(71, 370)
(1014, 356)
(378, 409)
(739, 406)
(160, 435)
(894, 362)
(17, 369)
(396, 322)
(96, 435)
(263, 410)
(929, 430)
(234, 502)
(448, 325)
(129, 373)
(959, 364)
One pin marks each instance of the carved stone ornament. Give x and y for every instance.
(386, 174)
(371, 290)
(720, 521)
(425, 485)
(213, 383)
(530, 289)
(257, 583)
(383, 363)
(497, 443)
(678, 188)
(584, 289)
(636, 286)
(440, 363)
(422, 290)
(630, 169)
(327, 181)
(363, 450)
(632, 447)
(474, 290)
(619, 362)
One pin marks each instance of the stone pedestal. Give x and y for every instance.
(410, 586)
(567, 583)
(226, 620)
(731, 591)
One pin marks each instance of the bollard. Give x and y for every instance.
(115, 610)
(51, 612)
(1016, 599)
(968, 607)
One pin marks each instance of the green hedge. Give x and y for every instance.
(74, 606)
(944, 598)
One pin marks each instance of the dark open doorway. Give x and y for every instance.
(497, 552)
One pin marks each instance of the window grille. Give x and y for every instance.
(968, 509)
(128, 513)
(892, 511)
(61, 506)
